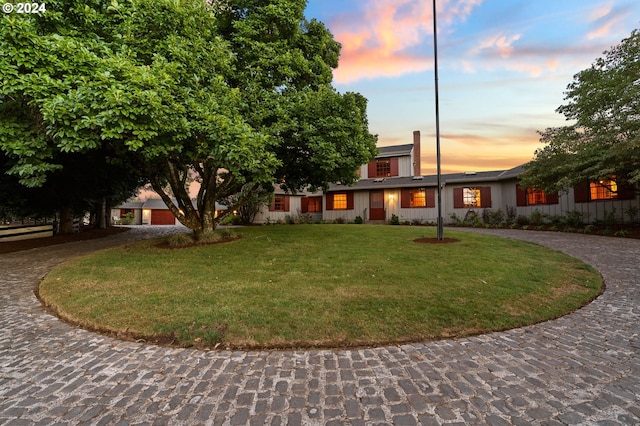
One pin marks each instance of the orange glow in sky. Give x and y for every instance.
(503, 65)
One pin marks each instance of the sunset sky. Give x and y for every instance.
(503, 66)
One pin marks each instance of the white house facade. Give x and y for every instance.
(391, 185)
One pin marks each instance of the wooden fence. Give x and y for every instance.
(25, 232)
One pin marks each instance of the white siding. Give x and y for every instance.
(392, 203)
(591, 211)
(295, 208)
(360, 208)
(447, 200)
(423, 213)
(405, 167)
(137, 216)
(364, 171)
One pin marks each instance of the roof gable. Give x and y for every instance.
(395, 151)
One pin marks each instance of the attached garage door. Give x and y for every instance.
(162, 217)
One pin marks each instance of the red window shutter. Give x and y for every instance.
(394, 166)
(349, 200)
(521, 196)
(485, 196)
(458, 198)
(431, 197)
(286, 203)
(329, 201)
(304, 205)
(272, 206)
(626, 192)
(553, 198)
(405, 198)
(372, 169)
(582, 193)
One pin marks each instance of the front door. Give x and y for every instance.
(376, 205)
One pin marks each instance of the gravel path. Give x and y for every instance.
(583, 368)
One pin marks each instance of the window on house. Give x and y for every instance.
(604, 190)
(383, 168)
(315, 204)
(471, 197)
(280, 203)
(536, 196)
(418, 197)
(340, 201)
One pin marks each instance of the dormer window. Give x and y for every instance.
(383, 167)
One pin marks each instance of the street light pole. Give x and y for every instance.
(435, 57)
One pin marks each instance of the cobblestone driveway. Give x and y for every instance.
(581, 369)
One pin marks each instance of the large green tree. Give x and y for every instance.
(283, 71)
(230, 95)
(603, 141)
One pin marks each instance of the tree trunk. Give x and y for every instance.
(66, 220)
(102, 213)
(107, 212)
(207, 224)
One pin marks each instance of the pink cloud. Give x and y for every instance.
(605, 21)
(379, 43)
(500, 44)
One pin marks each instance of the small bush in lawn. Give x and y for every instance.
(493, 217)
(339, 220)
(416, 222)
(537, 217)
(187, 240)
(127, 218)
(180, 240)
(575, 219)
(632, 213)
(358, 220)
(456, 219)
(557, 221)
(511, 215)
(395, 220)
(305, 218)
(610, 217)
(522, 220)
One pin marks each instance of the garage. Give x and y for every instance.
(162, 217)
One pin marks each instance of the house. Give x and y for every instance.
(392, 185)
(130, 207)
(153, 211)
(284, 204)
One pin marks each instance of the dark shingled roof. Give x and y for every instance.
(431, 180)
(131, 205)
(394, 151)
(155, 204)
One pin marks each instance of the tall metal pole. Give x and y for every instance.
(435, 57)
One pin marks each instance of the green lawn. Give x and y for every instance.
(319, 285)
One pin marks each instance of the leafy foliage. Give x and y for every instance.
(225, 95)
(603, 102)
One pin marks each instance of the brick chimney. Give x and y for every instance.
(416, 154)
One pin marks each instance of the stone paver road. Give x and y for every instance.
(583, 368)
